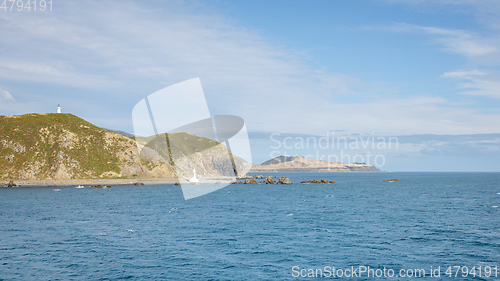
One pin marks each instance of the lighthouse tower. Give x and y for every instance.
(58, 108)
(194, 179)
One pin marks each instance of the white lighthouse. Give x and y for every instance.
(194, 179)
(58, 108)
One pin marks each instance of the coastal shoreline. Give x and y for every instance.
(91, 182)
(109, 182)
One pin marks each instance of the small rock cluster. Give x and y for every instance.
(101, 186)
(284, 180)
(317, 181)
(393, 180)
(10, 184)
(248, 181)
(267, 180)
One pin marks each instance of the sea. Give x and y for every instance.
(446, 224)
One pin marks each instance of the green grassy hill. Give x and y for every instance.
(64, 146)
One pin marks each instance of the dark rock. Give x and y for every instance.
(177, 183)
(258, 177)
(317, 181)
(138, 183)
(269, 180)
(393, 180)
(284, 180)
(247, 181)
(11, 184)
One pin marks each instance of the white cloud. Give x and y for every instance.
(5, 96)
(480, 47)
(50, 72)
(477, 82)
(464, 73)
(456, 41)
(128, 51)
(485, 11)
(480, 43)
(461, 42)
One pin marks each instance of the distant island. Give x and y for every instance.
(64, 147)
(302, 164)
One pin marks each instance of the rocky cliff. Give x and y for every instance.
(301, 164)
(188, 152)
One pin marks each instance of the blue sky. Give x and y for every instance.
(384, 67)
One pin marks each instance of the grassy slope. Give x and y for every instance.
(181, 144)
(53, 138)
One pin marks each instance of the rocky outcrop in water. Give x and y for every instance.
(393, 180)
(284, 180)
(269, 180)
(317, 181)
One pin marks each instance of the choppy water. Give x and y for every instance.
(251, 232)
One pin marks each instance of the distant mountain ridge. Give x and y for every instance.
(279, 159)
(302, 164)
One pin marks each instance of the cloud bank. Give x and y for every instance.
(110, 57)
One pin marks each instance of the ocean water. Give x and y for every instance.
(253, 232)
